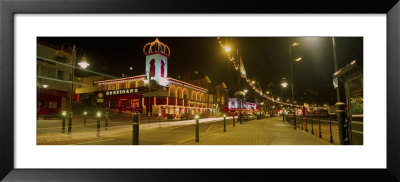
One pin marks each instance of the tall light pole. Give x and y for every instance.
(294, 44)
(83, 64)
(340, 106)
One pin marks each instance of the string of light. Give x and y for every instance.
(236, 63)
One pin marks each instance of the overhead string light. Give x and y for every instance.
(239, 64)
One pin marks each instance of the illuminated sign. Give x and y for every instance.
(124, 91)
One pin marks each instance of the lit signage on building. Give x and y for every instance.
(124, 91)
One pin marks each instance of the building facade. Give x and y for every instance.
(154, 92)
(53, 81)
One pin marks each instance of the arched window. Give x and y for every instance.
(185, 93)
(162, 68)
(152, 68)
(172, 91)
(179, 92)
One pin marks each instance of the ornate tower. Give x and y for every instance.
(157, 54)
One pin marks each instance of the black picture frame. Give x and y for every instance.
(9, 8)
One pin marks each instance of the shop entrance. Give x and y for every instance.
(122, 103)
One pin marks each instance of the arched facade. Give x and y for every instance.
(172, 91)
(185, 94)
(173, 97)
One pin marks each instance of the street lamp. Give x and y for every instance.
(284, 83)
(298, 59)
(227, 49)
(83, 64)
(245, 91)
(340, 106)
(294, 44)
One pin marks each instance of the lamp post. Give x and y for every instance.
(291, 60)
(83, 64)
(340, 106)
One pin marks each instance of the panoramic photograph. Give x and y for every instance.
(199, 91)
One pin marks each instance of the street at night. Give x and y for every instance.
(199, 91)
(268, 131)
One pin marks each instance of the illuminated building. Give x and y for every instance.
(159, 94)
(53, 80)
(233, 106)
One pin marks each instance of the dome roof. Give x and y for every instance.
(156, 46)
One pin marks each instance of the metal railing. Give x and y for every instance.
(322, 126)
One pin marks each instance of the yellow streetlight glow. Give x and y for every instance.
(98, 114)
(284, 84)
(295, 44)
(159, 114)
(224, 115)
(197, 116)
(245, 91)
(298, 59)
(45, 86)
(85, 113)
(227, 49)
(83, 64)
(253, 82)
(64, 113)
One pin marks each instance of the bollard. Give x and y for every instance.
(98, 124)
(233, 121)
(69, 122)
(64, 114)
(330, 131)
(294, 121)
(302, 123)
(159, 120)
(240, 117)
(298, 123)
(197, 128)
(84, 118)
(135, 129)
(306, 128)
(312, 125)
(224, 123)
(319, 126)
(106, 117)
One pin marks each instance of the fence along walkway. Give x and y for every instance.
(268, 131)
(322, 127)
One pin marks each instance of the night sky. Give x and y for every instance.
(266, 60)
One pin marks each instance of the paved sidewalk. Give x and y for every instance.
(270, 131)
